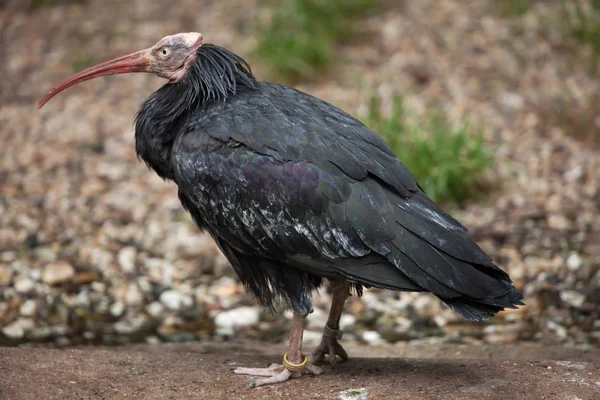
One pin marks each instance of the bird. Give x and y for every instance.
(297, 194)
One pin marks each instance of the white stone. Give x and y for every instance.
(572, 298)
(176, 300)
(317, 319)
(27, 309)
(127, 327)
(17, 329)
(134, 295)
(24, 285)
(312, 337)
(371, 337)
(155, 309)
(238, 317)
(353, 394)
(58, 272)
(117, 308)
(574, 262)
(126, 259)
(347, 321)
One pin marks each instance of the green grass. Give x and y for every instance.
(512, 8)
(446, 161)
(301, 37)
(81, 62)
(583, 23)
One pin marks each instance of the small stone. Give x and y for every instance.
(85, 277)
(17, 329)
(317, 319)
(176, 300)
(574, 262)
(117, 308)
(24, 285)
(371, 337)
(128, 327)
(126, 259)
(312, 337)
(89, 335)
(28, 308)
(134, 296)
(560, 330)
(82, 299)
(152, 340)
(155, 309)
(41, 332)
(353, 394)
(572, 298)
(8, 256)
(62, 341)
(13, 331)
(5, 275)
(512, 100)
(347, 321)
(45, 254)
(238, 317)
(57, 273)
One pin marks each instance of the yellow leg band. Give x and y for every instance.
(294, 367)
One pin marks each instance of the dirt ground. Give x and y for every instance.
(202, 371)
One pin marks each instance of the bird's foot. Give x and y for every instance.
(277, 373)
(329, 347)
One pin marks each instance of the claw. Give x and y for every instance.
(332, 348)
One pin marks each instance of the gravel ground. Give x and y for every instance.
(94, 248)
(202, 370)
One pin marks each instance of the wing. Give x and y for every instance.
(285, 176)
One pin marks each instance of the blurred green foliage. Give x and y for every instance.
(301, 37)
(512, 8)
(583, 22)
(446, 161)
(82, 61)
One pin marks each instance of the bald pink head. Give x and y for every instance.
(169, 58)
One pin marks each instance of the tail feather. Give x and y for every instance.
(475, 310)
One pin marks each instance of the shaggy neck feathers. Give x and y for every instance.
(215, 75)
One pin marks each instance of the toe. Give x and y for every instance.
(278, 378)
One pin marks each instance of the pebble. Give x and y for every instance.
(28, 308)
(40, 332)
(117, 308)
(572, 298)
(130, 326)
(17, 329)
(5, 275)
(347, 321)
(371, 337)
(175, 300)
(238, 317)
(353, 394)
(58, 273)
(126, 259)
(24, 285)
(155, 309)
(574, 262)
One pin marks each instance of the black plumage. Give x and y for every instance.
(294, 190)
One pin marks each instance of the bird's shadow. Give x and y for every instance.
(443, 371)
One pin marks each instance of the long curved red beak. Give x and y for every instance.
(134, 62)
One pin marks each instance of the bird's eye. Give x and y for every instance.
(165, 51)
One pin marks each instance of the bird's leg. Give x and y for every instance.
(294, 361)
(331, 334)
